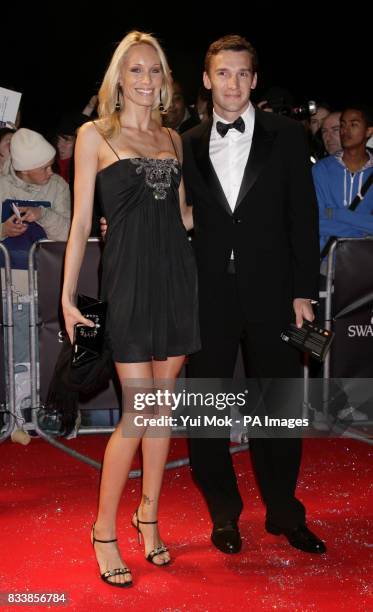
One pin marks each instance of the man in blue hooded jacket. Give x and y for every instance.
(339, 179)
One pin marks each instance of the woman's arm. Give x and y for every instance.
(186, 211)
(86, 160)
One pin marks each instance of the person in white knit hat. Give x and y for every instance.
(42, 198)
(31, 178)
(43, 201)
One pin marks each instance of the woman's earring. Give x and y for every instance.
(117, 104)
(161, 107)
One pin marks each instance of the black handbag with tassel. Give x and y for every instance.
(88, 374)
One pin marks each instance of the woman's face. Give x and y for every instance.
(141, 76)
(317, 119)
(5, 146)
(65, 145)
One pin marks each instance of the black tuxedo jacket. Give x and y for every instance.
(273, 229)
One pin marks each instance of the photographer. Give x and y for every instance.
(280, 101)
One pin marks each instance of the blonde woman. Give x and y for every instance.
(149, 275)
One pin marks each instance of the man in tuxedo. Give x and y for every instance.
(248, 178)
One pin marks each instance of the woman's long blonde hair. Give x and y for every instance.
(107, 95)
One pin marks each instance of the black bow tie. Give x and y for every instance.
(223, 128)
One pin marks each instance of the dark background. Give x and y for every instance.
(57, 56)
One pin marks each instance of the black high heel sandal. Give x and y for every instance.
(156, 551)
(114, 572)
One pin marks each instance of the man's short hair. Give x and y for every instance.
(231, 42)
(364, 109)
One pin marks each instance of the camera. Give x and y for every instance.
(304, 111)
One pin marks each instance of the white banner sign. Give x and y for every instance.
(9, 104)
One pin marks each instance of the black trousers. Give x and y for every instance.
(276, 461)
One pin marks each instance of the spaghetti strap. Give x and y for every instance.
(173, 144)
(107, 142)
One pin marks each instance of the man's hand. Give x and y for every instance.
(103, 227)
(32, 213)
(303, 310)
(13, 227)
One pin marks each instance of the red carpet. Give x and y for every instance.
(48, 504)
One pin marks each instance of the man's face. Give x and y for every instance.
(354, 129)
(38, 176)
(231, 79)
(317, 119)
(176, 112)
(330, 133)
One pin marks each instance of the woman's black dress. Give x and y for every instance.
(149, 273)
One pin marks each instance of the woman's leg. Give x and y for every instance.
(118, 458)
(155, 446)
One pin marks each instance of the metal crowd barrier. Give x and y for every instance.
(53, 252)
(365, 245)
(6, 306)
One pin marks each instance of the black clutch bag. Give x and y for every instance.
(89, 341)
(309, 338)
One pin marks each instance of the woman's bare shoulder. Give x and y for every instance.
(91, 131)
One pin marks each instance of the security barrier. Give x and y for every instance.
(7, 386)
(46, 327)
(349, 313)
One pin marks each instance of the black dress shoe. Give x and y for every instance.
(227, 537)
(300, 537)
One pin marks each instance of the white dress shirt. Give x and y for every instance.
(229, 154)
